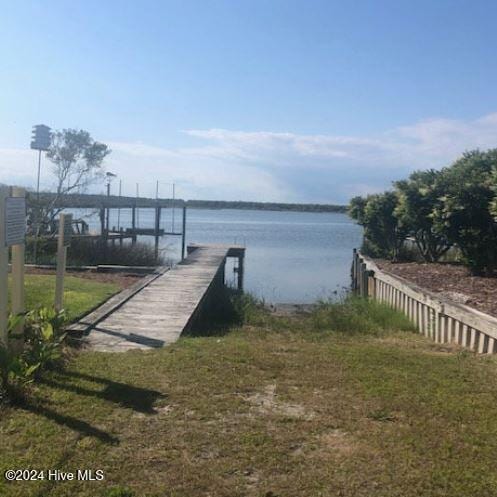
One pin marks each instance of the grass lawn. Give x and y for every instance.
(277, 407)
(80, 295)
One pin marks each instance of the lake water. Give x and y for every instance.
(291, 256)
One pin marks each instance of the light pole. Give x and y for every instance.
(40, 140)
(109, 176)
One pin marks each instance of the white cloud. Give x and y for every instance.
(264, 165)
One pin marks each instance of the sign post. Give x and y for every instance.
(4, 269)
(16, 221)
(12, 233)
(64, 239)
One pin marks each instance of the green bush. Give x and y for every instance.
(465, 215)
(354, 314)
(455, 208)
(91, 252)
(38, 348)
(417, 197)
(383, 233)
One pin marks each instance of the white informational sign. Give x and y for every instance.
(15, 221)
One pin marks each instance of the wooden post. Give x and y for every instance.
(61, 265)
(241, 262)
(102, 221)
(103, 233)
(183, 234)
(222, 276)
(133, 224)
(371, 285)
(491, 345)
(353, 269)
(157, 227)
(359, 277)
(18, 273)
(4, 268)
(364, 280)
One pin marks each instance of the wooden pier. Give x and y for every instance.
(167, 305)
(106, 203)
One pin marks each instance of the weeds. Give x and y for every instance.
(84, 252)
(28, 353)
(353, 314)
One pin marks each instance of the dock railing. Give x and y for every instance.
(433, 316)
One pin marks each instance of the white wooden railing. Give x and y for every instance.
(440, 319)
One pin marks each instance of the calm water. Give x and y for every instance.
(291, 256)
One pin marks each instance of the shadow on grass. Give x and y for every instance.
(70, 422)
(127, 396)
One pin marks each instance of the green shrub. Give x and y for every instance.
(465, 215)
(15, 369)
(354, 314)
(384, 235)
(43, 336)
(417, 197)
(455, 208)
(92, 252)
(38, 348)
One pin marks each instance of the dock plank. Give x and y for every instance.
(156, 315)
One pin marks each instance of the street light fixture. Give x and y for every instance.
(40, 141)
(109, 176)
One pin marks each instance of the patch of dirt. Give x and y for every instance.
(266, 402)
(286, 310)
(449, 281)
(339, 442)
(124, 280)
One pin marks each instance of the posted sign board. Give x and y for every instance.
(15, 221)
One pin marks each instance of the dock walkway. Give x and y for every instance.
(159, 312)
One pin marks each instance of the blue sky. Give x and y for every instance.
(256, 100)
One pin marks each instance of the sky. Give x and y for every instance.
(263, 100)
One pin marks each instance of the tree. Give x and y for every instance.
(78, 163)
(356, 209)
(464, 216)
(418, 196)
(383, 234)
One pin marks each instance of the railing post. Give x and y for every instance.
(183, 234)
(371, 285)
(240, 271)
(364, 280)
(354, 270)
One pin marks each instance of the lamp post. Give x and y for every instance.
(109, 176)
(40, 140)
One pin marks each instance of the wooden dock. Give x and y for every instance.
(163, 308)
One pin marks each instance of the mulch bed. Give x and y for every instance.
(124, 280)
(450, 281)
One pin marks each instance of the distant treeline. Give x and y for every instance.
(264, 206)
(99, 201)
